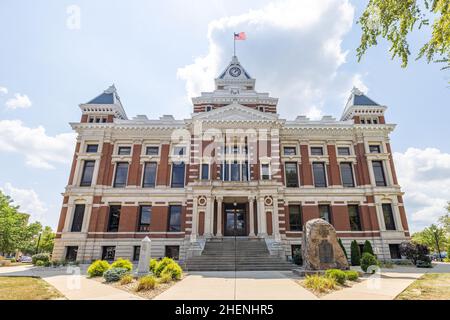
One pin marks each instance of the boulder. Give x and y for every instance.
(320, 247)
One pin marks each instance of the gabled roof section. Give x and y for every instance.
(359, 103)
(235, 64)
(358, 98)
(234, 112)
(107, 102)
(109, 96)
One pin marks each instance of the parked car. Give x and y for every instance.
(25, 259)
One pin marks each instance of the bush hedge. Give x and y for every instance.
(162, 265)
(173, 270)
(320, 283)
(44, 257)
(355, 254)
(115, 274)
(352, 275)
(368, 260)
(126, 279)
(368, 248)
(122, 263)
(339, 275)
(98, 268)
(153, 264)
(146, 283)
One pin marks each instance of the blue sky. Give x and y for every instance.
(160, 53)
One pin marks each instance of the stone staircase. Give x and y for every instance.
(240, 254)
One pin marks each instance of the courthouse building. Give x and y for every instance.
(234, 170)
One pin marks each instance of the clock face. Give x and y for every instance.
(235, 72)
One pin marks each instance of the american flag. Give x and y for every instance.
(240, 36)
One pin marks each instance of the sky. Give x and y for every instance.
(55, 55)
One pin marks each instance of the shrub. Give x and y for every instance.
(424, 264)
(126, 279)
(414, 251)
(368, 260)
(387, 264)
(153, 264)
(320, 283)
(39, 263)
(352, 275)
(165, 277)
(146, 283)
(446, 259)
(114, 274)
(162, 265)
(47, 263)
(342, 247)
(355, 254)
(98, 268)
(13, 260)
(339, 275)
(174, 270)
(122, 263)
(368, 248)
(44, 257)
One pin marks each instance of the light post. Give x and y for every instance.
(39, 240)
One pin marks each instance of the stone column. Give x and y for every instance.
(251, 216)
(69, 217)
(209, 218)
(380, 215)
(194, 225)
(144, 257)
(87, 217)
(396, 214)
(219, 216)
(275, 220)
(262, 223)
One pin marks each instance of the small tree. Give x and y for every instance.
(414, 252)
(355, 254)
(368, 248)
(343, 248)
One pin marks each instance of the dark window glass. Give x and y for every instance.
(92, 148)
(375, 121)
(145, 218)
(245, 171)
(235, 171)
(179, 151)
(173, 252)
(108, 253)
(226, 171)
(361, 248)
(374, 149)
(136, 253)
(120, 180)
(114, 218)
(205, 171)
(369, 121)
(178, 175)
(104, 120)
(344, 151)
(290, 169)
(174, 218)
(394, 249)
(388, 216)
(296, 251)
(152, 151)
(378, 171)
(124, 151)
(289, 151)
(353, 214)
(347, 174)
(91, 119)
(265, 175)
(78, 215)
(88, 172)
(324, 211)
(319, 174)
(363, 121)
(295, 218)
(149, 175)
(316, 151)
(97, 120)
(71, 253)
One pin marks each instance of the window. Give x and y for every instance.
(152, 151)
(296, 252)
(320, 179)
(120, 180)
(92, 148)
(173, 252)
(71, 253)
(149, 175)
(178, 175)
(388, 216)
(363, 121)
(179, 151)
(245, 171)
(290, 169)
(208, 108)
(375, 121)
(353, 214)
(324, 212)
(78, 215)
(316, 151)
(145, 218)
(136, 253)
(378, 172)
(347, 174)
(343, 151)
(108, 253)
(394, 249)
(295, 218)
(289, 151)
(114, 218)
(235, 171)
(124, 151)
(88, 172)
(265, 174)
(375, 149)
(205, 171)
(174, 218)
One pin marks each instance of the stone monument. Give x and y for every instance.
(144, 257)
(320, 247)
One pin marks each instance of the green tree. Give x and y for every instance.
(394, 20)
(368, 248)
(47, 240)
(444, 221)
(343, 248)
(433, 237)
(355, 254)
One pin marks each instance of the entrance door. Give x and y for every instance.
(235, 220)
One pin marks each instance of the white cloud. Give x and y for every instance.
(20, 101)
(424, 175)
(3, 90)
(294, 46)
(28, 200)
(39, 149)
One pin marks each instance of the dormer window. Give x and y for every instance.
(261, 108)
(363, 121)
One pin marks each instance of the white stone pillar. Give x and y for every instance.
(219, 216)
(69, 217)
(87, 217)
(275, 221)
(262, 223)
(396, 214)
(194, 225)
(144, 257)
(251, 216)
(380, 215)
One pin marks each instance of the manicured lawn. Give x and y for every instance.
(432, 286)
(27, 288)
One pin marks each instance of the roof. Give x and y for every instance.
(109, 96)
(235, 63)
(358, 98)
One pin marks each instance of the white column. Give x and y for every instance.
(396, 214)
(86, 217)
(69, 217)
(262, 223)
(219, 216)
(194, 230)
(380, 215)
(209, 218)
(275, 221)
(251, 216)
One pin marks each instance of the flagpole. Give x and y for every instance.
(234, 44)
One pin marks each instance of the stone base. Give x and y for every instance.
(303, 272)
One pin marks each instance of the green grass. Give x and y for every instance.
(432, 286)
(26, 288)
